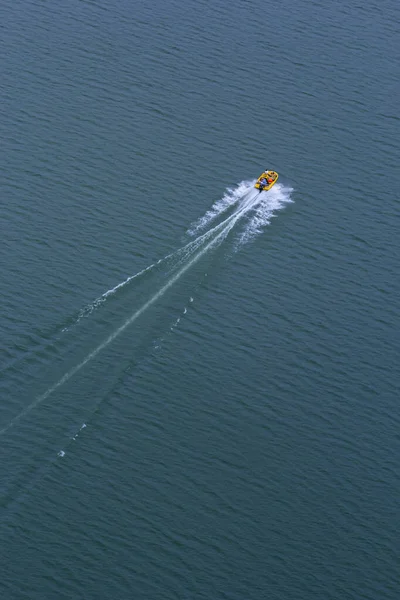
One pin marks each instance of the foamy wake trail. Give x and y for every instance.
(254, 209)
(229, 199)
(264, 210)
(177, 257)
(263, 207)
(193, 252)
(89, 308)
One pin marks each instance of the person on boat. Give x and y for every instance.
(263, 184)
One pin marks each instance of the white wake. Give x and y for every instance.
(245, 207)
(260, 208)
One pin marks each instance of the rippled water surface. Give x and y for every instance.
(199, 383)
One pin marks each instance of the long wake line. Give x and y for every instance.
(225, 227)
(184, 253)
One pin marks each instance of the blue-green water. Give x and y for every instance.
(199, 384)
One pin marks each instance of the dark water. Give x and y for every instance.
(199, 385)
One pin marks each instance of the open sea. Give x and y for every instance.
(199, 384)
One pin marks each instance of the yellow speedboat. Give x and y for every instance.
(266, 180)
